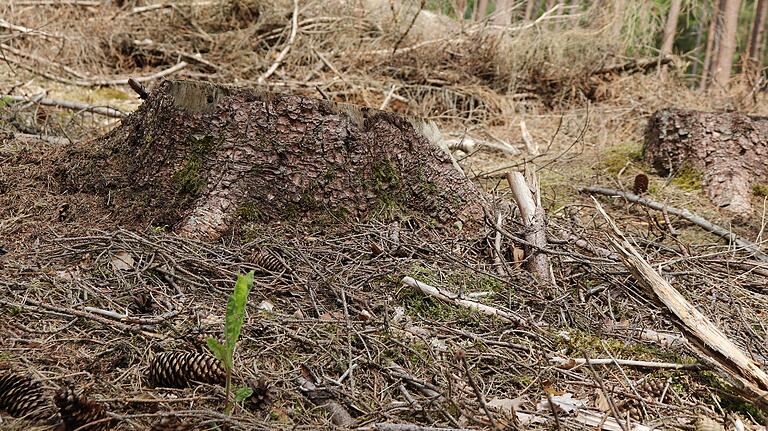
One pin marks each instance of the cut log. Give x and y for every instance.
(729, 149)
(198, 157)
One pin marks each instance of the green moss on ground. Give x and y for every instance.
(616, 157)
(760, 190)
(687, 178)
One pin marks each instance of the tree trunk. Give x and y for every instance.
(755, 45)
(201, 157)
(529, 9)
(711, 50)
(724, 61)
(670, 28)
(482, 9)
(502, 15)
(728, 148)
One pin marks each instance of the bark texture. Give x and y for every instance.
(668, 40)
(199, 157)
(729, 149)
(721, 74)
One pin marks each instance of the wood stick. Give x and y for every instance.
(412, 427)
(684, 213)
(569, 363)
(69, 104)
(25, 30)
(284, 52)
(534, 221)
(453, 298)
(712, 344)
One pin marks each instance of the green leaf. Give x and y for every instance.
(218, 350)
(241, 394)
(236, 310)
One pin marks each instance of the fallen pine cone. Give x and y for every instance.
(171, 423)
(77, 411)
(180, 369)
(22, 396)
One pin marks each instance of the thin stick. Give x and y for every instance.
(684, 213)
(284, 52)
(25, 30)
(478, 393)
(68, 104)
(410, 26)
(388, 97)
(607, 394)
(574, 362)
(453, 298)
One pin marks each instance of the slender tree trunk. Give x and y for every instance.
(473, 17)
(755, 47)
(671, 27)
(482, 9)
(724, 60)
(697, 44)
(711, 50)
(529, 6)
(502, 14)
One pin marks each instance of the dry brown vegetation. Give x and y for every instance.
(335, 305)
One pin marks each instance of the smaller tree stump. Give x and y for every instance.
(730, 149)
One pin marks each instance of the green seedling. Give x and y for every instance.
(234, 322)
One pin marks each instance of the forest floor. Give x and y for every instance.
(87, 303)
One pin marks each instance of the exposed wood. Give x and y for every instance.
(729, 149)
(713, 345)
(687, 215)
(534, 220)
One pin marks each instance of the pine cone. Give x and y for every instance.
(24, 397)
(77, 411)
(180, 369)
(172, 423)
(262, 394)
(653, 388)
(266, 261)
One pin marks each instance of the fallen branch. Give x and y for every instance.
(26, 30)
(284, 52)
(713, 346)
(411, 427)
(456, 299)
(569, 363)
(69, 104)
(691, 217)
(535, 224)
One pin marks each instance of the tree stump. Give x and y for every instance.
(198, 157)
(730, 149)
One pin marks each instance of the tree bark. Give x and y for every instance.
(755, 47)
(670, 28)
(728, 148)
(200, 157)
(711, 50)
(724, 61)
(482, 9)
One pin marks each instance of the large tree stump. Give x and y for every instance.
(729, 149)
(198, 157)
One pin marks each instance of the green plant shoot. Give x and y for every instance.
(232, 326)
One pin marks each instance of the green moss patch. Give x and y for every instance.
(190, 180)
